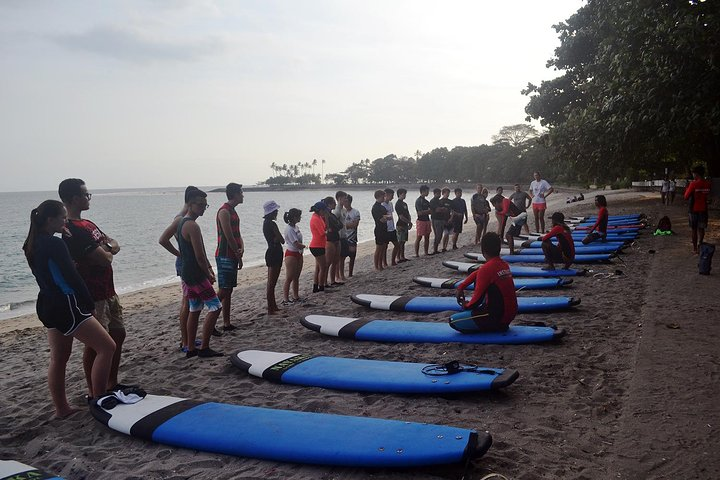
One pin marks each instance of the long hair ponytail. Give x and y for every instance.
(38, 218)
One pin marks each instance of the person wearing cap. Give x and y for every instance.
(564, 251)
(318, 241)
(274, 252)
(230, 249)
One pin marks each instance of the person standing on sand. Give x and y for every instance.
(380, 218)
(332, 245)
(522, 201)
(274, 252)
(540, 189)
(665, 190)
(352, 220)
(459, 211)
(391, 229)
(423, 224)
(230, 249)
(93, 252)
(293, 256)
(197, 277)
(698, 196)
(318, 243)
(404, 223)
(493, 305)
(564, 251)
(498, 197)
(480, 208)
(64, 305)
(337, 271)
(164, 240)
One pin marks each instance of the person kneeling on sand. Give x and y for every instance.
(564, 251)
(494, 302)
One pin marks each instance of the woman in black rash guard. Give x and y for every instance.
(64, 304)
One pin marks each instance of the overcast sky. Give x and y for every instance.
(150, 93)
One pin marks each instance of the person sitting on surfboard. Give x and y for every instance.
(599, 230)
(494, 302)
(564, 251)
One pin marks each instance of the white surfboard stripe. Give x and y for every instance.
(261, 360)
(378, 302)
(329, 325)
(12, 467)
(461, 266)
(125, 416)
(433, 282)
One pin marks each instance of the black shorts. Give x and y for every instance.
(514, 230)
(381, 237)
(457, 224)
(344, 248)
(592, 237)
(274, 257)
(555, 255)
(698, 220)
(62, 312)
(317, 251)
(391, 237)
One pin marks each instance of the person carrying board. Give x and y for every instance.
(494, 302)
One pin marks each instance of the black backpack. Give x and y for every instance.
(664, 224)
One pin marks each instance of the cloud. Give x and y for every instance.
(139, 47)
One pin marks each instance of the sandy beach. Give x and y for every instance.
(629, 393)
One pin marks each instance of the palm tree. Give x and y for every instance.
(273, 167)
(322, 171)
(314, 164)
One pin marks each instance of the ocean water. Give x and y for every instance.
(136, 218)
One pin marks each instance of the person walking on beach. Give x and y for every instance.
(540, 189)
(337, 271)
(493, 305)
(599, 230)
(230, 249)
(522, 201)
(423, 224)
(665, 190)
(318, 244)
(293, 256)
(197, 277)
(404, 223)
(564, 251)
(380, 217)
(164, 240)
(352, 220)
(274, 252)
(93, 252)
(458, 212)
(698, 196)
(391, 229)
(64, 305)
(480, 208)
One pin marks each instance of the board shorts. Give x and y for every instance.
(290, 253)
(274, 256)
(61, 312)
(593, 237)
(555, 255)
(392, 237)
(344, 247)
(227, 272)
(109, 313)
(317, 251)
(201, 294)
(480, 218)
(423, 227)
(402, 234)
(539, 207)
(698, 220)
(476, 320)
(381, 237)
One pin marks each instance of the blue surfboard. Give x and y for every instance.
(361, 375)
(408, 303)
(292, 436)
(520, 283)
(13, 470)
(517, 270)
(617, 246)
(425, 332)
(522, 258)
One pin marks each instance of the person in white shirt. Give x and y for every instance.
(293, 255)
(352, 219)
(540, 189)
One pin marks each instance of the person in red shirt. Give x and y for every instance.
(494, 302)
(318, 242)
(698, 196)
(599, 230)
(508, 211)
(564, 251)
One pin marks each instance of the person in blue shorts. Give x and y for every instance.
(230, 249)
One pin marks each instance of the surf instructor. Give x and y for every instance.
(494, 302)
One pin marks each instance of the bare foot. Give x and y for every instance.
(66, 412)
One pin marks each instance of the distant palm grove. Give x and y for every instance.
(639, 94)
